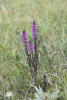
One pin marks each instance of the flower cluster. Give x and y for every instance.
(24, 37)
(31, 50)
(34, 30)
(31, 46)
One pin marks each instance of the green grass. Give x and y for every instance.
(16, 15)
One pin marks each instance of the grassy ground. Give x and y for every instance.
(16, 15)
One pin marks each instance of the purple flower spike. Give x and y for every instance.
(31, 47)
(34, 30)
(24, 38)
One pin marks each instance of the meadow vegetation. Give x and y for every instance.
(51, 19)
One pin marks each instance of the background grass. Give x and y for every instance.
(16, 15)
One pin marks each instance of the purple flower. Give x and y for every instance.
(31, 47)
(24, 38)
(62, 10)
(34, 30)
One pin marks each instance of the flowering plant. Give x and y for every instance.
(31, 50)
